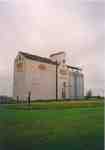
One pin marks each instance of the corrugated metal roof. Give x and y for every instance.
(44, 59)
(38, 58)
(62, 52)
(76, 68)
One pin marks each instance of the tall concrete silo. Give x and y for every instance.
(79, 85)
(76, 84)
(72, 85)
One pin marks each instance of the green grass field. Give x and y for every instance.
(71, 128)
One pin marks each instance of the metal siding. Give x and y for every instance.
(72, 85)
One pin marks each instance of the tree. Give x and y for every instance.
(89, 94)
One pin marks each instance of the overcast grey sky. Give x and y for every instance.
(45, 26)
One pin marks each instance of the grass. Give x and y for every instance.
(51, 128)
(56, 105)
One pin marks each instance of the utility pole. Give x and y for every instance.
(56, 80)
(29, 97)
(17, 99)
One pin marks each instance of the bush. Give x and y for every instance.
(89, 94)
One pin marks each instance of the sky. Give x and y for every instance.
(42, 27)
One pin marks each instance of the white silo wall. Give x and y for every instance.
(72, 85)
(79, 85)
(82, 85)
(63, 77)
(41, 83)
(19, 81)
